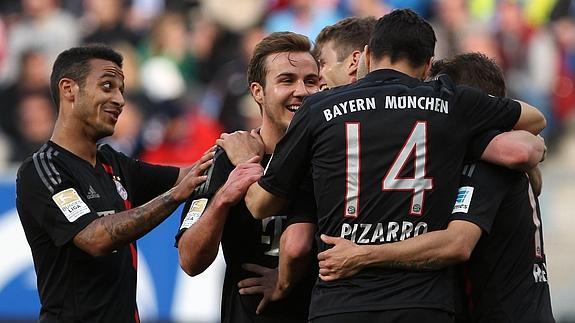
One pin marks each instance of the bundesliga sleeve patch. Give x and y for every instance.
(71, 204)
(194, 213)
(463, 199)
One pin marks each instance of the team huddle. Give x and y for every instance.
(406, 190)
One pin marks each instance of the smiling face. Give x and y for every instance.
(290, 77)
(100, 100)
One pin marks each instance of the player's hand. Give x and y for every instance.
(239, 180)
(241, 145)
(266, 285)
(536, 180)
(194, 177)
(342, 260)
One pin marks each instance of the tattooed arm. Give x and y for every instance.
(430, 251)
(107, 233)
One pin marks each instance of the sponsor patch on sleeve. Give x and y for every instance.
(463, 199)
(71, 204)
(194, 213)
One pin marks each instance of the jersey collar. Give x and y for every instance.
(389, 75)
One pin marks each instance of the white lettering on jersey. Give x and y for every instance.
(71, 205)
(365, 233)
(414, 102)
(351, 106)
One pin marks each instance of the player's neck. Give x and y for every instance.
(270, 136)
(402, 66)
(77, 143)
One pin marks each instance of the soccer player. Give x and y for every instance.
(281, 72)
(495, 224)
(338, 49)
(384, 153)
(83, 206)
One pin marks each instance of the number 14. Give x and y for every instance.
(417, 185)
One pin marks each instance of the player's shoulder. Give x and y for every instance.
(443, 84)
(43, 169)
(108, 153)
(484, 171)
(217, 174)
(106, 149)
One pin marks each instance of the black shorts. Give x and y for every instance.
(407, 315)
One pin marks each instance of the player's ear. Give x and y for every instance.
(353, 64)
(68, 89)
(257, 92)
(427, 68)
(367, 54)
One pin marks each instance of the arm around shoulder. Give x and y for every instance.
(430, 251)
(531, 119)
(516, 149)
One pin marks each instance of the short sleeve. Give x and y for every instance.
(62, 213)
(482, 112)
(290, 162)
(482, 189)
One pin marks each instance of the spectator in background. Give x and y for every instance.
(104, 22)
(169, 44)
(32, 78)
(35, 118)
(43, 26)
(450, 17)
(212, 46)
(303, 16)
(223, 97)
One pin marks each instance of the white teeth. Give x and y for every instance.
(293, 108)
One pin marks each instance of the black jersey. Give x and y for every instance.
(58, 195)
(247, 240)
(507, 268)
(385, 154)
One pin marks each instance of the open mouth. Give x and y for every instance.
(293, 108)
(323, 87)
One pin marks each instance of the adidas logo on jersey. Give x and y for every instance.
(92, 194)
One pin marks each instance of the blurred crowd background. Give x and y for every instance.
(185, 68)
(185, 60)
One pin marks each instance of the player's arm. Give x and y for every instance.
(105, 234)
(263, 204)
(295, 256)
(517, 149)
(531, 119)
(296, 245)
(198, 246)
(536, 180)
(430, 251)
(240, 146)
